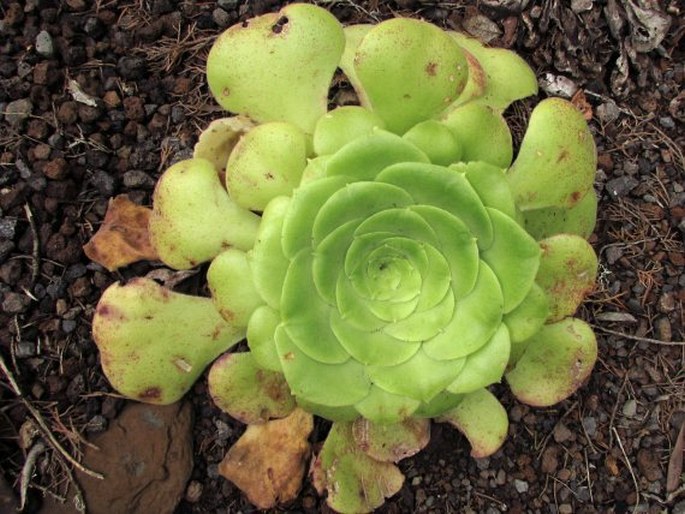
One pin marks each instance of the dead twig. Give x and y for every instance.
(630, 468)
(27, 471)
(638, 338)
(35, 249)
(45, 430)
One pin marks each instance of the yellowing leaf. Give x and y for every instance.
(268, 461)
(123, 236)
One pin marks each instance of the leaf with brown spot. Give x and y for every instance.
(123, 237)
(355, 481)
(268, 461)
(675, 462)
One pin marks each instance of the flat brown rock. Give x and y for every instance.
(146, 458)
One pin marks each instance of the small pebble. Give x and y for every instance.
(630, 408)
(608, 112)
(44, 45)
(14, 303)
(193, 491)
(8, 227)
(590, 425)
(25, 349)
(578, 6)
(221, 17)
(17, 111)
(68, 326)
(521, 486)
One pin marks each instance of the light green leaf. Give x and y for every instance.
(247, 392)
(568, 268)
(364, 158)
(482, 133)
(267, 162)
(233, 291)
(391, 442)
(555, 363)
(514, 257)
(556, 164)
(331, 385)
(482, 419)
(356, 483)
(409, 71)
(279, 66)
(484, 366)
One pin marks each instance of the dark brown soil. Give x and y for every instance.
(97, 98)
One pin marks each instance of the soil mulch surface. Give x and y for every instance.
(98, 98)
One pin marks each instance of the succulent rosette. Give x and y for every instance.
(386, 262)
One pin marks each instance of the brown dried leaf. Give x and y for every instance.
(582, 104)
(675, 463)
(123, 237)
(267, 463)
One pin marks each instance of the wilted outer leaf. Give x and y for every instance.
(392, 442)
(155, 343)
(356, 483)
(554, 363)
(268, 461)
(482, 419)
(123, 236)
(248, 393)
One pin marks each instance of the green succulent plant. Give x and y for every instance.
(386, 262)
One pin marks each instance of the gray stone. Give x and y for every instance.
(221, 17)
(608, 112)
(667, 122)
(8, 228)
(44, 45)
(17, 111)
(621, 186)
(630, 408)
(14, 303)
(138, 179)
(590, 425)
(521, 486)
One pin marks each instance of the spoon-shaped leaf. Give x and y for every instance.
(216, 142)
(146, 353)
(356, 483)
(482, 133)
(579, 219)
(556, 164)
(230, 281)
(415, 83)
(391, 442)
(568, 268)
(482, 419)
(508, 76)
(193, 218)
(267, 162)
(279, 66)
(247, 392)
(555, 363)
